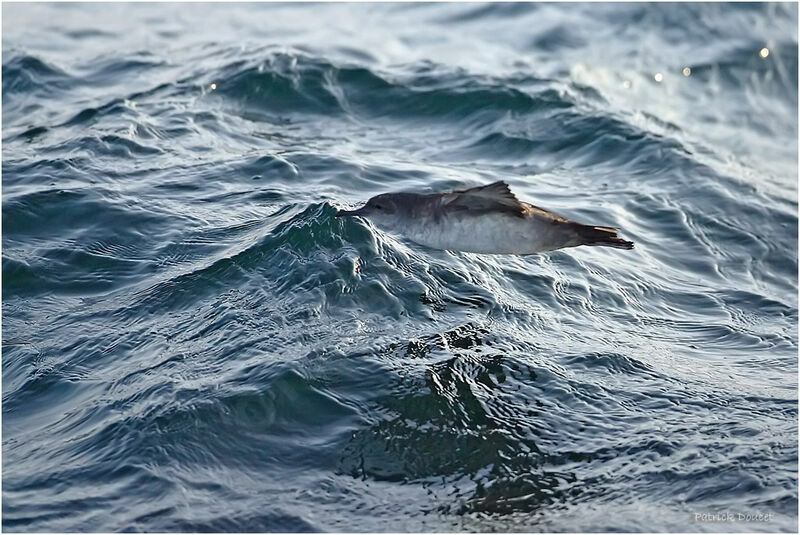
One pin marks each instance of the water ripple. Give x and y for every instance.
(189, 332)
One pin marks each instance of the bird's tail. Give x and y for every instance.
(602, 236)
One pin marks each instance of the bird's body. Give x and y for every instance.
(484, 233)
(487, 219)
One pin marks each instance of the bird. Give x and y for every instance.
(484, 219)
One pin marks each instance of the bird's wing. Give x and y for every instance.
(494, 197)
(545, 215)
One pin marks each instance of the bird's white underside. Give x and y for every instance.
(489, 233)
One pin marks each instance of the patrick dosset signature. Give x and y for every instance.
(733, 516)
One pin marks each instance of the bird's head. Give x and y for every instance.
(382, 209)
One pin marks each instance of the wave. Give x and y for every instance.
(188, 331)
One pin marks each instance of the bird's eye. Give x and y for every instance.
(379, 207)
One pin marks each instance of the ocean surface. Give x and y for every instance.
(192, 342)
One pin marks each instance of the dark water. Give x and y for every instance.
(192, 342)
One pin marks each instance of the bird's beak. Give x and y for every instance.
(349, 213)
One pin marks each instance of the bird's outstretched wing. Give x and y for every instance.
(494, 197)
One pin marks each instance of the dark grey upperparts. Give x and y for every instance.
(492, 198)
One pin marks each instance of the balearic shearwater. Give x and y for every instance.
(486, 219)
